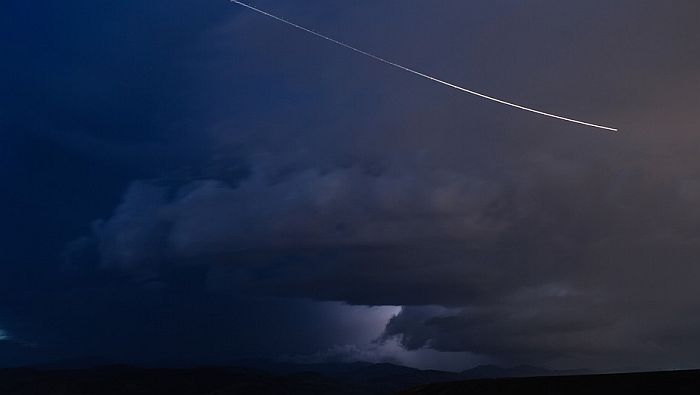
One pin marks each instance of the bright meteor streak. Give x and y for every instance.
(380, 59)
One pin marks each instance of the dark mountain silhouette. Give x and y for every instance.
(88, 376)
(75, 363)
(672, 382)
(325, 379)
(493, 372)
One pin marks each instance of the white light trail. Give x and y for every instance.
(418, 73)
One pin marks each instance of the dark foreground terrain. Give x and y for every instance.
(355, 378)
(678, 382)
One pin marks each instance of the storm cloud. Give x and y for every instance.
(305, 175)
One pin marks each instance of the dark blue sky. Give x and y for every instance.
(189, 182)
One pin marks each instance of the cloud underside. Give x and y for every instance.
(555, 259)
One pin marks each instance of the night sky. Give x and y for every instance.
(188, 182)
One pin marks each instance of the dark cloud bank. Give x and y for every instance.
(314, 176)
